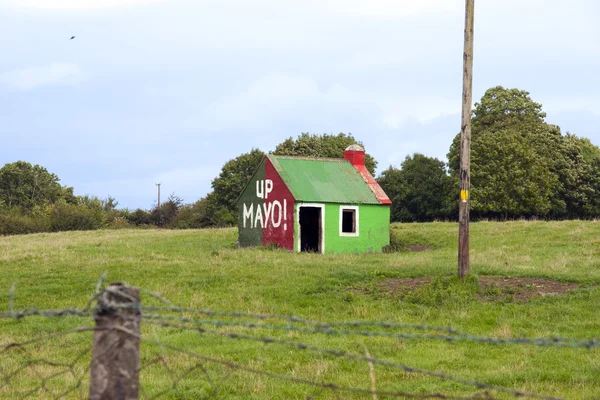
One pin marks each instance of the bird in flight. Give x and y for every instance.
(72, 37)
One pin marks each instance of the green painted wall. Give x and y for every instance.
(374, 229)
(373, 235)
(250, 235)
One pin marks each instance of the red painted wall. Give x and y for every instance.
(279, 204)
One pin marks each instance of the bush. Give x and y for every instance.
(139, 217)
(203, 213)
(188, 217)
(168, 210)
(76, 217)
(20, 224)
(223, 218)
(119, 222)
(396, 245)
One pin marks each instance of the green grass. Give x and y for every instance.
(204, 269)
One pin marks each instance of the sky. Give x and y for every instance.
(169, 90)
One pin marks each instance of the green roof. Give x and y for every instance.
(324, 180)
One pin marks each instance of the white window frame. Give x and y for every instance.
(356, 216)
(322, 207)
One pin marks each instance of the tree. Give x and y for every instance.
(520, 165)
(25, 186)
(331, 146)
(501, 108)
(579, 188)
(511, 180)
(395, 186)
(164, 215)
(420, 191)
(227, 187)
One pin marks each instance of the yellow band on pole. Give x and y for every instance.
(464, 195)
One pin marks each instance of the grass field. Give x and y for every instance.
(203, 269)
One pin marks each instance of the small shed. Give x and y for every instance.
(320, 205)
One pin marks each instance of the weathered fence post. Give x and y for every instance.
(114, 370)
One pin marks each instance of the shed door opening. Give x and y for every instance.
(310, 229)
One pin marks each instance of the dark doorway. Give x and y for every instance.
(310, 229)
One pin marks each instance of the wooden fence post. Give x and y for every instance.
(114, 370)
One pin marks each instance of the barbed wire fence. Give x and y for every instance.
(110, 364)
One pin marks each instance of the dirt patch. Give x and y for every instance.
(491, 288)
(417, 247)
(522, 289)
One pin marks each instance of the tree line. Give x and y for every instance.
(521, 167)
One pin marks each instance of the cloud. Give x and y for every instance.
(395, 8)
(275, 99)
(187, 180)
(68, 5)
(419, 108)
(279, 98)
(46, 75)
(555, 104)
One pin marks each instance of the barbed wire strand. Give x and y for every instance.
(328, 329)
(30, 312)
(295, 319)
(320, 327)
(80, 329)
(314, 327)
(330, 386)
(100, 282)
(345, 354)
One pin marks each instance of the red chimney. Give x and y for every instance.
(355, 154)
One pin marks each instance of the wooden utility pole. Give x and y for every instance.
(114, 370)
(158, 184)
(465, 144)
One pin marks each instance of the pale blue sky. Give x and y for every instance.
(169, 90)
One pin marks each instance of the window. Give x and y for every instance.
(348, 221)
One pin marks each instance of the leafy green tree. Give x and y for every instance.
(24, 185)
(512, 179)
(522, 166)
(227, 187)
(501, 108)
(331, 146)
(420, 191)
(164, 215)
(395, 186)
(579, 189)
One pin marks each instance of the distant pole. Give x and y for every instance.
(158, 184)
(465, 144)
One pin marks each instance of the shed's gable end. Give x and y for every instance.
(266, 210)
